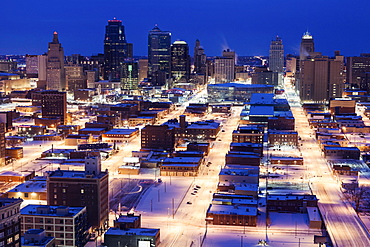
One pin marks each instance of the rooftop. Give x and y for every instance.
(132, 231)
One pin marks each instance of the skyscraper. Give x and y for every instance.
(276, 55)
(116, 49)
(358, 71)
(180, 61)
(321, 78)
(200, 58)
(129, 75)
(159, 56)
(307, 46)
(55, 73)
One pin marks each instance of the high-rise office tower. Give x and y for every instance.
(224, 67)
(229, 54)
(321, 78)
(159, 56)
(143, 69)
(180, 61)
(276, 55)
(55, 73)
(75, 77)
(116, 49)
(307, 46)
(42, 61)
(32, 66)
(200, 59)
(129, 75)
(358, 71)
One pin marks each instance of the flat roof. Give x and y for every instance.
(262, 98)
(263, 111)
(120, 131)
(92, 129)
(133, 231)
(233, 210)
(31, 186)
(240, 85)
(31, 209)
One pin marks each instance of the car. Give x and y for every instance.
(195, 191)
(189, 203)
(197, 186)
(223, 130)
(193, 194)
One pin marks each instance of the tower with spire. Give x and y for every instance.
(55, 73)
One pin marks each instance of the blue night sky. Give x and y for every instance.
(245, 26)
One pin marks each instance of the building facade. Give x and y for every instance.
(68, 225)
(55, 73)
(276, 55)
(116, 49)
(10, 223)
(87, 188)
(180, 61)
(159, 56)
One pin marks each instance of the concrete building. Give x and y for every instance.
(37, 238)
(224, 68)
(276, 55)
(321, 78)
(133, 237)
(68, 225)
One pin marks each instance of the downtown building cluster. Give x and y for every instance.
(130, 96)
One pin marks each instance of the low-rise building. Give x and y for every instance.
(248, 133)
(133, 237)
(31, 130)
(120, 135)
(37, 238)
(67, 224)
(243, 158)
(332, 153)
(283, 137)
(34, 189)
(291, 203)
(247, 147)
(180, 166)
(231, 215)
(14, 152)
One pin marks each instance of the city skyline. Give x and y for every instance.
(238, 25)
